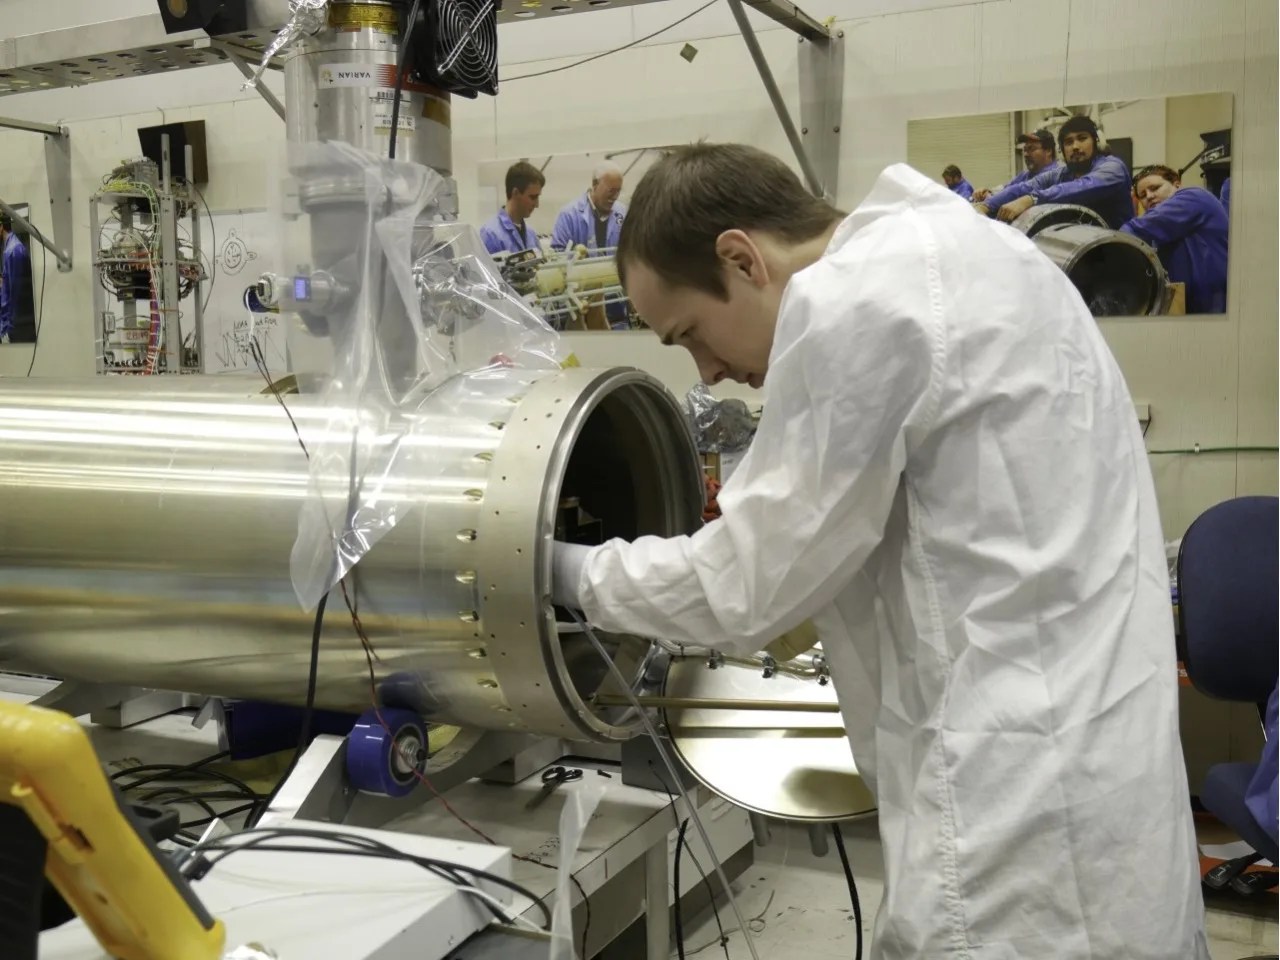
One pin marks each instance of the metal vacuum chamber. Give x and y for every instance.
(147, 529)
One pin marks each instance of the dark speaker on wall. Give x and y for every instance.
(216, 17)
(180, 135)
(1121, 147)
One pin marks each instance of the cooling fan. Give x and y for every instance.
(455, 47)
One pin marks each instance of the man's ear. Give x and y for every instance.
(740, 257)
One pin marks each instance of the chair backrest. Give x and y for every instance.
(1228, 586)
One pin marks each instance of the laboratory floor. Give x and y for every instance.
(798, 905)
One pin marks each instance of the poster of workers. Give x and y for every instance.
(18, 322)
(1130, 198)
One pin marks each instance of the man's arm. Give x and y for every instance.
(810, 500)
(491, 239)
(8, 287)
(1177, 217)
(1013, 191)
(562, 235)
(1107, 176)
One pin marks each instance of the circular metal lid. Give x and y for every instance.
(788, 764)
(1045, 215)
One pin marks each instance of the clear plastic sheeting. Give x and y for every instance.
(420, 331)
(306, 17)
(580, 806)
(719, 426)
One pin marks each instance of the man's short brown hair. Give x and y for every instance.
(1156, 170)
(695, 193)
(521, 176)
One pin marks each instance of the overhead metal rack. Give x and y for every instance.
(139, 46)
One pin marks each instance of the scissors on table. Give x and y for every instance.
(552, 778)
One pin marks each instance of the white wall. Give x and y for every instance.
(1211, 381)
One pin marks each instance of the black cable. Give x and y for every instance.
(233, 812)
(586, 907)
(304, 737)
(586, 901)
(213, 232)
(706, 882)
(400, 62)
(439, 869)
(182, 773)
(355, 845)
(853, 888)
(625, 46)
(185, 796)
(175, 768)
(676, 880)
(44, 265)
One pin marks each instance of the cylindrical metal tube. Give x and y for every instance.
(147, 534)
(1117, 274)
(1044, 215)
(340, 86)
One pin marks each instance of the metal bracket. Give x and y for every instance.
(247, 72)
(57, 162)
(318, 789)
(822, 106)
(817, 143)
(110, 705)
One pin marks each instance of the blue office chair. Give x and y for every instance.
(1228, 580)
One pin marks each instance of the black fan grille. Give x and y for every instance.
(465, 45)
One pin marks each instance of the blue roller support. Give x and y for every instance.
(383, 762)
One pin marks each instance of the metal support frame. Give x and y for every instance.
(169, 287)
(657, 918)
(109, 705)
(817, 142)
(57, 162)
(791, 17)
(822, 106)
(167, 214)
(32, 126)
(247, 72)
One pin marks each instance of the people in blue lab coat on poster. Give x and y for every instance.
(956, 182)
(595, 221)
(1187, 227)
(17, 309)
(508, 230)
(1039, 155)
(1091, 178)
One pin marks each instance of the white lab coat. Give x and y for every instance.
(949, 479)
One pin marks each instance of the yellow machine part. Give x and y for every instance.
(130, 896)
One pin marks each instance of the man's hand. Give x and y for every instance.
(793, 643)
(1015, 208)
(981, 194)
(981, 209)
(567, 561)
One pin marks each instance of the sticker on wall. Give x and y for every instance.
(234, 254)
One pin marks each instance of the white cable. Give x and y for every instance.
(508, 915)
(675, 777)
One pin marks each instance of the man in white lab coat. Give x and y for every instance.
(950, 482)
